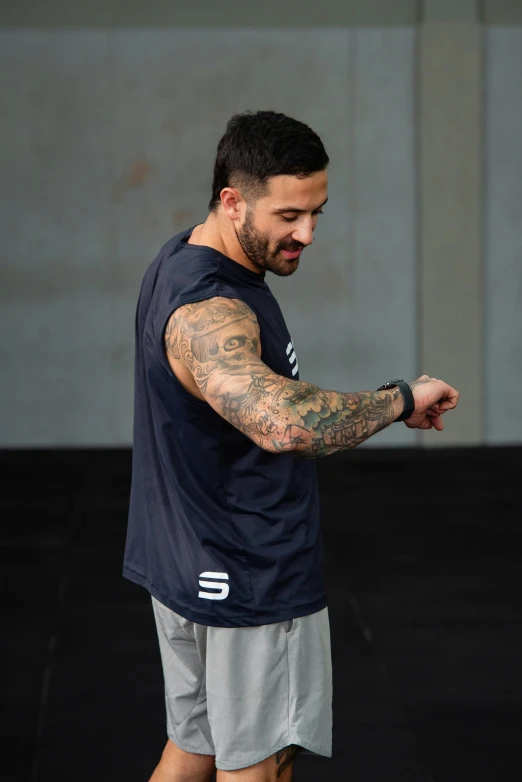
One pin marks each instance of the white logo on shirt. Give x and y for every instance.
(290, 352)
(224, 589)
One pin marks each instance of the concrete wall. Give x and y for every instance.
(450, 175)
(503, 236)
(108, 137)
(108, 150)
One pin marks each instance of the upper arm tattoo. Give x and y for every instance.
(213, 335)
(218, 340)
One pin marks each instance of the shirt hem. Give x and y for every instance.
(251, 619)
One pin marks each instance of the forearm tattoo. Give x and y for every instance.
(218, 340)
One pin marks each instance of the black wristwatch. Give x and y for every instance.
(407, 395)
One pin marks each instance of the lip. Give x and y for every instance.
(291, 256)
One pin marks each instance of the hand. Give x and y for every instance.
(432, 398)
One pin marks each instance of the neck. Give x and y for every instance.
(218, 232)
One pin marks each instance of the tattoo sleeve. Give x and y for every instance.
(218, 340)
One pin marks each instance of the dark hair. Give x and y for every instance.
(258, 146)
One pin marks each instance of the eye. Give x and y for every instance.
(234, 343)
(293, 219)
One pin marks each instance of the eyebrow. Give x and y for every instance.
(294, 209)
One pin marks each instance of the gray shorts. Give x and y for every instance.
(243, 693)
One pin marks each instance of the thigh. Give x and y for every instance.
(183, 660)
(267, 688)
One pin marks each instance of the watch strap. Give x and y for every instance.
(407, 395)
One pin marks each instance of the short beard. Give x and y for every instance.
(256, 249)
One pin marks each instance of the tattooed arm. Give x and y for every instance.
(217, 340)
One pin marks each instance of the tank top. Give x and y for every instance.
(219, 530)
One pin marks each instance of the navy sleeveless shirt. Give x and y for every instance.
(219, 530)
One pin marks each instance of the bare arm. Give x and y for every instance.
(218, 341)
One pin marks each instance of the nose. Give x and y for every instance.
(304, 233)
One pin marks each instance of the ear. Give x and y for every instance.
(231, 200)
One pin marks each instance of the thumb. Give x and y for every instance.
(437, 422)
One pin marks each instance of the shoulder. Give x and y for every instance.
(207, 315)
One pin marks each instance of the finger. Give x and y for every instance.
(450, 397)
(438, 423)
(444, 406)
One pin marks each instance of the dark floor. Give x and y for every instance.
(423, 563)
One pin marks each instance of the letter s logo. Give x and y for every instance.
(224, 589)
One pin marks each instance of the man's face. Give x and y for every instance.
(283, 222)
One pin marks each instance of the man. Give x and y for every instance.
(224, 517)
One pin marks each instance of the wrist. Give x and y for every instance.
(398, 404)
(404, 402)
